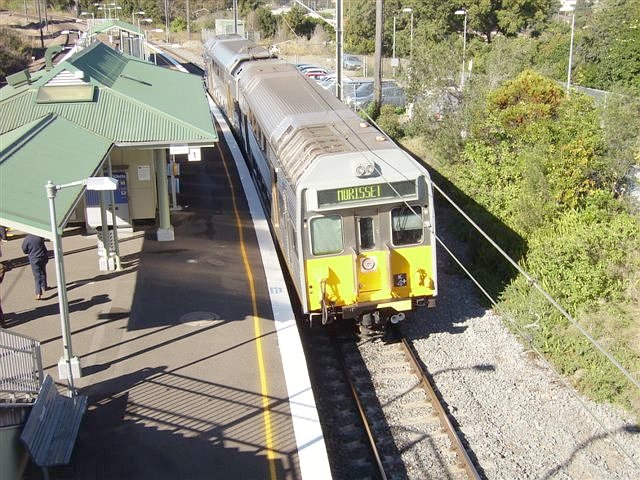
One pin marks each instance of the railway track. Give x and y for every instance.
(381, 415)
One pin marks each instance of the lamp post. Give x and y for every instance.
(136, 14)
(410, 10)
(570, 8)
(141, 37)
(394, 61)
(464, 44)
(146, 38)
(68, 365)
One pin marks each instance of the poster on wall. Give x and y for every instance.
(144, 173)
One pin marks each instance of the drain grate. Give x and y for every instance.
(200, 319)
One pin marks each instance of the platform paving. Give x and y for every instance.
(167, 345)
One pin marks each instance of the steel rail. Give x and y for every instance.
(464, 461)
(363, 416)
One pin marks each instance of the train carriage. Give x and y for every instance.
(351, 212)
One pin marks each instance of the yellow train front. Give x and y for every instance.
(352, 213)
(367, 238)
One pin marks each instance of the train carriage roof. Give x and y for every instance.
(302, 121)
(336, 171)
(231, 50)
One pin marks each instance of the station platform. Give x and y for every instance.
(190, 355)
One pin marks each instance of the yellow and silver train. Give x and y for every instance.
(352, 213)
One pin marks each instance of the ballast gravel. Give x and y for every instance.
(518, 419)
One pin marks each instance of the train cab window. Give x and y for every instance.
(365, 231)
(326, 235)
(406, 225)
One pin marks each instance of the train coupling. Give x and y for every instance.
(397, 318)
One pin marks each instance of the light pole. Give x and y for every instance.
(134, 14)
(141, 46)
(166, 20)
(146, 39)
(570, 8)
(464, 44)
(410, 10)
(68, 362)
(394, 61)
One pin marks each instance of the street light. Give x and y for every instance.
(133, 14)
(146, 39)
(410, 10)
(71, 363)
(570, 8)
(394, 60)
(464, 44)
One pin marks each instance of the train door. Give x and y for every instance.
(372, 262)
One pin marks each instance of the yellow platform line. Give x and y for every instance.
(266, 415)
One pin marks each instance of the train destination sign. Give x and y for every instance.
(364, 193)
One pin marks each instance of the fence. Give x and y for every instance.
(20, 369)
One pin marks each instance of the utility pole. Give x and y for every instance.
(188, 22)
(339, 46)
(377, 61)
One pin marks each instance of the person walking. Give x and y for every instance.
(34, 247)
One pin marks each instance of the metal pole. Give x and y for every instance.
(188, 22)
(573, 21)
(464, 49)
(411, 38)
(51, 190)
(393, 62)
(235, 16)
(339, 47)
(114, 219)
(174, 200)
(166, 20)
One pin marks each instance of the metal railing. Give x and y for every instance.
(20, 369)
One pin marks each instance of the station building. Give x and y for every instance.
(98, 113)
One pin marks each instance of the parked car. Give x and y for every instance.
(351, 62)
(315, 73)
(302, 66)
(392, 94)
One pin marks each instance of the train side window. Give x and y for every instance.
(326, 235)
(406, 225)
(365, 227)
(292, 237)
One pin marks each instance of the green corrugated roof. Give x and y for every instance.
(111, 24)
(36, 153)
(133, 102)
(136, 101)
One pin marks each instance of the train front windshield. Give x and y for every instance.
(406, 225)
(326, 235)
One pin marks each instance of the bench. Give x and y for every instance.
(52, 427)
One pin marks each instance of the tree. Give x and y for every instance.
(14, 54)
(265, 22)
(299, 22)
(610, 49)
(534, 151)
(359, 27)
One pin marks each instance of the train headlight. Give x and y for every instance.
(364, 168)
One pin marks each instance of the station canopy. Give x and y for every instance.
(60, 124)
(25, 168)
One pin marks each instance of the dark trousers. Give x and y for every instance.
(39, 269)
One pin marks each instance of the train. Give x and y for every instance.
(351, 212)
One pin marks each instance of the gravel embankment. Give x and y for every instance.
(518, 418)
